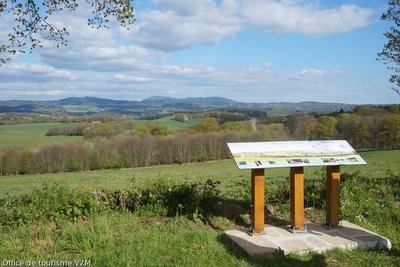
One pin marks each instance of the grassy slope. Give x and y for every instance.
(122, 240)
(224, 171)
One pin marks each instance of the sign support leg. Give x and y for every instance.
(332, 195)
(257, 201)
(297, 198)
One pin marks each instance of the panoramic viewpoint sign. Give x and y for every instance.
(296, 155)
(261, 155)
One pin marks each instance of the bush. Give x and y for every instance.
(68, 130)
(371, 201)
(154, 129)
(50, 203)
(57, 203)
(103, 130)
(192, 199)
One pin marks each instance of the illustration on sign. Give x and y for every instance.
(259, 155)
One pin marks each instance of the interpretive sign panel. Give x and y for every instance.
(260, 155)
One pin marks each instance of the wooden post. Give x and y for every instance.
(332, 195)
(257, 200)
(297, 197)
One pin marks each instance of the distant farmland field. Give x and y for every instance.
(34, 134)
(31, 135)
(167, 121)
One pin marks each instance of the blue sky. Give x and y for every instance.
(246, 50)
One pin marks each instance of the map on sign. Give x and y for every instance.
(259, 155)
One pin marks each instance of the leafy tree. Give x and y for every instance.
(238, 126)
(365, 110)
(208, 125)
(325, 129)
(389, 132)
(272, 132)
(300, 127)
(10, 161)
(103, 130)
(355, 129)
(32, 24)
(154, 129)
(395, 108)
(390, 54)
(28, 163)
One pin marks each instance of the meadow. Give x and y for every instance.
(225, 171)
(168, 121)
(34, 134)
(149, 236)
(31, 135)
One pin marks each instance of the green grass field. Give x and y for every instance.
(167, 121)
(31, 135)
(223, 171)
(144, 238)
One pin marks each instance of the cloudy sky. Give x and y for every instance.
(246, 50)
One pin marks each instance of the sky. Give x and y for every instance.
(245, 50)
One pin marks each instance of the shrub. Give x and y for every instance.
(57, 203)
(67, 130)
(103, 130)
(162, 194)
(371, 201)
(154, 129)
(50, 203)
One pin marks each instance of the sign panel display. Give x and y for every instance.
(260, 155)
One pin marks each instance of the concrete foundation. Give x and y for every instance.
(316, 238)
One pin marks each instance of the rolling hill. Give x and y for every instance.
(160, 105)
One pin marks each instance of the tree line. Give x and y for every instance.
(124, 151)
(365, 128)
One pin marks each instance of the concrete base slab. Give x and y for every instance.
(316, 238)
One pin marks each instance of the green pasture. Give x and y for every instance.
(168, 121)
(378, 162)
(31, 135)
(34, 134)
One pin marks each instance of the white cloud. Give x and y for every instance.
(181, 24)
(186, 8)
(45, 93)
(250, 84)
(23, 72)
(129, 78)
(305, 17)
(92, 49)
(310, 73)
(97, 58)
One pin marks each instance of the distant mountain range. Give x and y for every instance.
(162, 100)
(159, 105)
